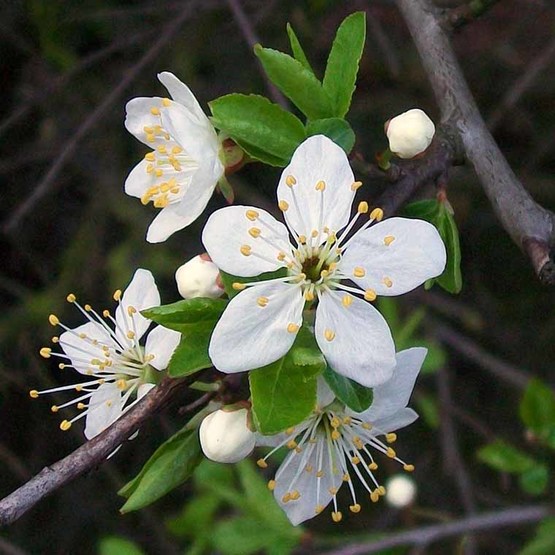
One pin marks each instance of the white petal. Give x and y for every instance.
(141, 293)
(142, 390)
(105, 407)
(396, 255)
(227, 230)
(80, 349)
(307, 484)
(138, 116)
(393, 395)
(396, 421)
(317, 159)
(182, 94)
(249, 336)
(362, 348)
(161, 342)
(324, 394)
(139, 180)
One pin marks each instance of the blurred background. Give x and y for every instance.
(67, 70)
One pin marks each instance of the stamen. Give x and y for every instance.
(252, 215)
(246, 250)
(290, 181)
(376, 214)
(388, 239)
(53, 319)
(356, 185)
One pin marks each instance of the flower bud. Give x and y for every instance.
(199, 277)
(225, 436)
(410, 133)
(400, 491)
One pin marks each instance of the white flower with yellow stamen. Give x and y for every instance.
(324, 263)
(334, 446)
(180, 173)
(107, 350)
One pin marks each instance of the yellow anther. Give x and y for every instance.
(362, 207)
(150, 138)
(158, 172)
(336, 516)
(355, 508)
(65, 425)
(292, 328)
(370, 295)
(381, 491)
(391, 437)
(308, 468)
(391, 453)
(53, 319)
(131, 310)
(54, 408)
(376, 214)
(388, 239)
(81, 406)
(358, 443)
(117, 295)
(308, 295)
(130, 334)
(319, 509)
(78, 388)
(252, 215)
(295, 494)
(166, 102)
(149, 168)
(121, 384)
(375, 496)
(71, 298)
(262, 463)
(286, 498)
(335, 422)
(320, 186)
(387, 282)
(329, 335)
(88, 307)
(281, 256)
(302, 239)
(314, 233)
(238, 286)
(147, 129)
(82, 335)
(61, 366)
(347, 300)
(356, 185)
(347, 421)
(262, 301)
(366, 425)
(55, 339)
(319, 474)
(290, 181)
(255, 232)
(106, 313)
(335, 435)
(155, 111)
(290, 431)
(359, 272)
(355, 460)
(45, 352)
(150, 157)
(373, 466)
(333, 491)
(246, 250)
(177, 150)
(272, 485)
(408, 467)
(33, 393)
(291, 444)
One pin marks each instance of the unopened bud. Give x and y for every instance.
(410, 133)
(225, 436)
(199, 277)
(400, 491)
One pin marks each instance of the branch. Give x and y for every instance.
(461, 15)
(428, 534)
(530, 226)
(89, 455)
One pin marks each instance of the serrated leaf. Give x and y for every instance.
(228, 280)
(296, 82)
(168, 467)
(297, 49)
(336, 129)
(342, 66)
(534, 480)
(505, 458)
(544, 541)
(283, 393)
(537, 409)
(354, 395)
(263, 129)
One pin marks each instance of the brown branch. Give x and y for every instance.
(89, 455)
(524, 220)
(426, 535)
(461, 15)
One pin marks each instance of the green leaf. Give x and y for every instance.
(264, 130)
(296, 82)
(112, 545)
(506, 458)
(537, 409)
(428, 408)
(228, 280)
(354, 395)
(534, 480)
(342, 67)
(337, 129)
(169, 466)
(197, 517)
(284, 392)
(297, 49)
(544, 541)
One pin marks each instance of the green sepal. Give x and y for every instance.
(168, 467)
(354, 395)
(283, 393)
(264, 130)
(228, 280)
(336, 129)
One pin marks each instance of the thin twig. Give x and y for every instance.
(515, 516)
(461, 15)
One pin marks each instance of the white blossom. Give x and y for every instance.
(180, 173)
(410, 133)
(199, 277)
(225, 436)
(315, 194)
(400, 491)
(336, 446)
(117, 369)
